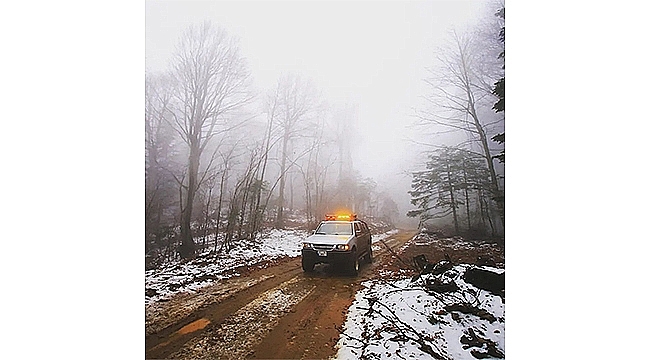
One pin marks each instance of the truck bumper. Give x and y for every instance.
(336, 258)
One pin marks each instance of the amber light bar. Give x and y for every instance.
(342, 217)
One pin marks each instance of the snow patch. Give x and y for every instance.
(383, 236)
(404, 318)
(161, 284)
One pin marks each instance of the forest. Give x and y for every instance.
(221, 160)
(225, 160)
(464, 174)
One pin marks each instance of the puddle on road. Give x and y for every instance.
(194, 326)
(191, 327)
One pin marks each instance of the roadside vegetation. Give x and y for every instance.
(440, 297)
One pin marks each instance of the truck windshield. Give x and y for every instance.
(334, 229)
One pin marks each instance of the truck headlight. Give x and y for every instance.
(343, 247)
(306, 245)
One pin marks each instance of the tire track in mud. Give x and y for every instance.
(311, 330)
(286, 314)
(239, 333)
(162, 344)
(161, 315)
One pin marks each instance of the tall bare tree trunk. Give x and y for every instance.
(453, 200)
(279, 220)
(188, 248)
(469, 221)
(485, 210)
(224, 175)
(206, 221)
(496, 192)
(291, 192)
(259, 212)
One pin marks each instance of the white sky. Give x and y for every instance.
(372, 54)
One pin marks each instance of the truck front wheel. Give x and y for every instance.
(354, 263)
(307, 266)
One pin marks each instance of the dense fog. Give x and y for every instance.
(258, 113)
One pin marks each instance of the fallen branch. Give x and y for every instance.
(471, 339)
(340, 330)
(424, 267)
(420, 340)
(472, 310)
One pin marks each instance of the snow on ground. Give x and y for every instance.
(178, 276)
(159, 315)
(380, 237)
(204, 270)
(406, 319)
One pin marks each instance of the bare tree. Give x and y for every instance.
(154, 106)
(270, 109)
(239, 199)
(314, 170)
(159, 153)
(226, 166)
(345, 125)
(296, 98)
(461, 89)
(212, 84)
(210, 184)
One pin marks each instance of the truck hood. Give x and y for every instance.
(328, 239)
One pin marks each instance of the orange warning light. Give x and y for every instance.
(341, 217)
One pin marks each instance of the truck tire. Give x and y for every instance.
(353, 264)
(307, 266)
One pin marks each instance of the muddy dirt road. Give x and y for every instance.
(277, 312)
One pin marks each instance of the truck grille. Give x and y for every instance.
(323, 247)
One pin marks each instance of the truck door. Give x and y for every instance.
(368, 237)
(361, 241)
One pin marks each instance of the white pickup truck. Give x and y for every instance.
(340, 241)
